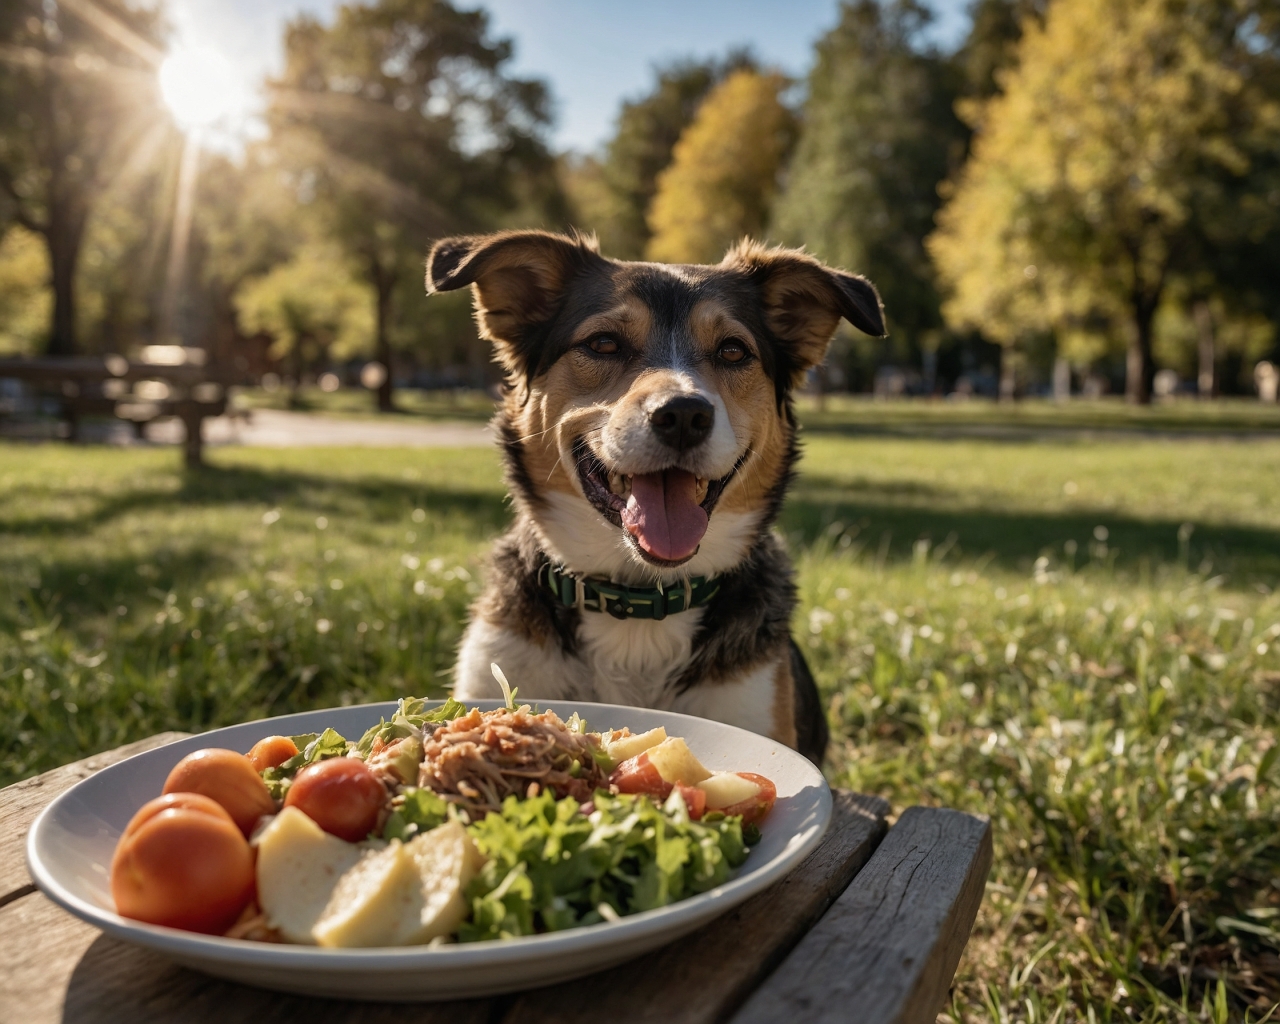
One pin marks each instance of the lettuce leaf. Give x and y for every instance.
(551, 867)
(411, 716)
(312, 747)
(420, 811)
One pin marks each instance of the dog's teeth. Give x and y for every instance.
(700, 493)
(620, 484)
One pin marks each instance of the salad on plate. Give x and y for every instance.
(442, 824)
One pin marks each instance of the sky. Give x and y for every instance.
(594, 53)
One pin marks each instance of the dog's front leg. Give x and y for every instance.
(761, 699)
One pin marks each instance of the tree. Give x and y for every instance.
(78, 97)
(313, 307)
(399, 121)
(1099, 168)
(991, 46)
(612, 195)
(724, 171)
(879, 133)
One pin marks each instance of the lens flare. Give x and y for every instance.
(200, 86)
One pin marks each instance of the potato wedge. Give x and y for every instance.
(299, 865)
(626, 747)
(675, 762)
(370, 900)
(445, 860)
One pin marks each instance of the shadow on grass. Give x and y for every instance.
(80, 589)
(1013, 540)
(377, 500)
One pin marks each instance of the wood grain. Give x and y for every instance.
(886, 951)
(56, 968)
(706, 975)
(23, 801)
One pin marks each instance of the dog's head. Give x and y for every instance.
(647, 418)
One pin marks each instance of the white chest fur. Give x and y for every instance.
(630, 661)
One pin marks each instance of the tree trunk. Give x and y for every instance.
(383, 282)
(1061, 379)
(63, 240)
(1008, 374)
(1139, 367)
(1207, 380)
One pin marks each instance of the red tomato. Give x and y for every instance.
(637, 775)
(754, 809)
(183, 863)
(271, 752)
(694, 799)
(227, 778)
(341, 795)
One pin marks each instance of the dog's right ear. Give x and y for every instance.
(518, 278)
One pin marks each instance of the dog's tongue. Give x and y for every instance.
(663, 515)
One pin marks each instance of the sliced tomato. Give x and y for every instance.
(637, 775)
(754, 809)
(694, 799)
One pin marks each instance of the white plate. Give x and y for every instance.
(70, 845)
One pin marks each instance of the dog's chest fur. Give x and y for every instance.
(727, 661)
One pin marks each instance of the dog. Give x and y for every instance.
(649, 438)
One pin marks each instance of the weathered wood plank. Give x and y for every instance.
(57, 968)
(886, 951)
(23, 801)
(706, 975)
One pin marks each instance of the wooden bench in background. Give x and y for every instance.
(868, 930)
(137, 392)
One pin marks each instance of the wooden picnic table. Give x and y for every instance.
(92, 386)
(868, 930)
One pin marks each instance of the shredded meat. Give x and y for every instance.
(483, 757)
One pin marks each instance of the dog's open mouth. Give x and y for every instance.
(664, 513)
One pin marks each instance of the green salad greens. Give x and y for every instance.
(551, 867)
(411, 715)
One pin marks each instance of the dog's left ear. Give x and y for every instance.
(519, 278)
(804, 300)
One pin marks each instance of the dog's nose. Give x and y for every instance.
(683, 422)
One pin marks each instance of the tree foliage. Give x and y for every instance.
(401, 125)
(79, 103)
(1101, 166)
(25, 299)
(612, 195)
(878, 134)
(312, 306)
(724, 171)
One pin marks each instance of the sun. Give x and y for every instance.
(200, 86)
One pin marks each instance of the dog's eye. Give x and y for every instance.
(603, 345)
(732, 351)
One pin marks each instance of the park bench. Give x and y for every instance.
(136, 392)
(868, 930)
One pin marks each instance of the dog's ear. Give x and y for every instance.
(518, 277)
(803, 300)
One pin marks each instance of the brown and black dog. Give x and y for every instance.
(649, 439)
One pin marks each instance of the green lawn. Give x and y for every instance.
(1078, 637)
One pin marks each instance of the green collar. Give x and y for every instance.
(621, 601)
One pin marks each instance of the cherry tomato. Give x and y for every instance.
(694, 799)
(341, 795)
(271, 752)
(182, 862)
(754, 809)
(227, 778)
(638, 775)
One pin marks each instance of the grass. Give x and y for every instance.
(1080, 638)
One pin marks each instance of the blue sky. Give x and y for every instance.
(594, 53)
